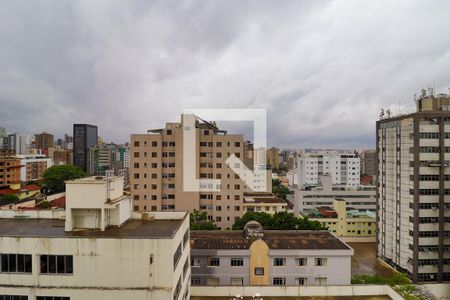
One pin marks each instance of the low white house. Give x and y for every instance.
(100, 251)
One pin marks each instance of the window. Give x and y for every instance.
(301, 280)
(52, 298)
(214, 262)
(237, 144)
(136, 154)
(212, 281)
(218, 144)
(136, 165)
(321, 281)
(278, 261)
(259, 271)
(13, 297)
(177, 256)
(237, 281)
(237, 262)
(195, 262)
(195, 281)
(154, 144)
(321, 262)
(154, 154)
(279, 281)
(136, 175)
(56, 264)
(16, 263)
(136, 143)
(169, 132)
(301, 261)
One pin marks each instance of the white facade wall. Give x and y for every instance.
(342, 166)
(103, 268)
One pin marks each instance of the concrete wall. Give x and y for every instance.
(103, 268)
(33, 214)
(285, 291)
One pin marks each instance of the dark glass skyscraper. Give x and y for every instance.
(84, 137)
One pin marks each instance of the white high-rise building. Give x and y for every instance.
(342, 165)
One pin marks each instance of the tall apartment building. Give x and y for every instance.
(60, 156)
(96, 248)
(273, 157)
(157, 170)
(342, 165)
(3, 138)
(123, 156)
(369, 162)
(21, 143)
(84, 137)
(9, 168)
(33, 166)
(414, 189)
(44, 141)
(102, 157)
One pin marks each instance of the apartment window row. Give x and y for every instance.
(430, 177)
(13, 297)
(430, 233)
(177, 256)
(428, 192)
(432, 262)
(301, 261)
(429, 135)
(49, 264)
(168, 154)
(433, 206)
(16, 263)
(167, 207)
(429, 220)
(299, 281)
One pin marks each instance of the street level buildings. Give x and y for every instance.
(413, 153)
(96, 249)
(257, 257)
(345, 221)
(84, 137)
(157, 171)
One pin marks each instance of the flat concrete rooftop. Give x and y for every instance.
(51, 228)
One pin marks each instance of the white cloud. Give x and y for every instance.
(321, 68)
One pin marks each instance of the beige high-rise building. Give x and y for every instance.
(273, 157)
(413, 154)
(156, 171)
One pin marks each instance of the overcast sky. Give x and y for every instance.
(322, 69)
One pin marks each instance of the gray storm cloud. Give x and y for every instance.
(322, 69)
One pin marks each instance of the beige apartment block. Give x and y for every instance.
(156, 171)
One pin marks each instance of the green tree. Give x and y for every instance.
(55, 176)
(199, 221)
(9, 199)
(278, 221)
(279, 189)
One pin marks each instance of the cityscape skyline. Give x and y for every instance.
(321, 78)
